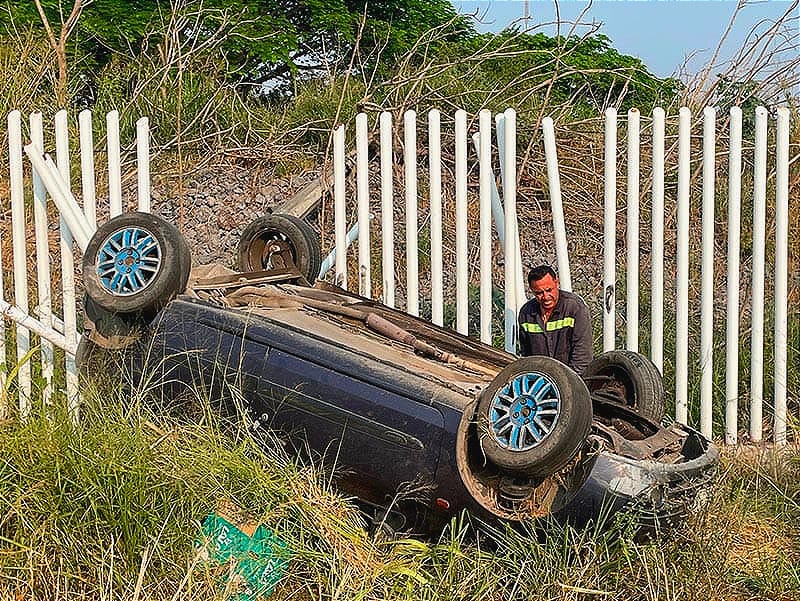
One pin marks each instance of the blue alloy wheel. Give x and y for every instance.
(525, 411)
(128, 261)
(135, 264)
(534, 417)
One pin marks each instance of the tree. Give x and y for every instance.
(582, 70)
(265, 40)
(59, 43)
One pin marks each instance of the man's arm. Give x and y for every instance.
(581, 353)
(524, 338)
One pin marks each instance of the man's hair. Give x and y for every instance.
(540, 271)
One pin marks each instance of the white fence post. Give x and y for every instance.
(491, 211)
(632, 236)
(682, 300)
(657, 247)
(67, 271)
(610, 230)
(462, 282)
(435, 166)
(387, 209)
(707, 273)
(511, 236)
(143, 164)
(757, 302)
(87, 167)
(44, 309)
(485, 224)
(362, 196)
(67, 205)
(554, 183)
(412, 248)
(20, 257)
(3, 350)
(734, 237)
(340, 209)
(114, 164)
(781, 271)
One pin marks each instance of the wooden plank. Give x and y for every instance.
(308, 198)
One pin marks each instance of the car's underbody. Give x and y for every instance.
(391, 401)
(411, 417)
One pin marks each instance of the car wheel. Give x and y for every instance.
(111, 330)
(95, 362)
(135, 263)
(273, 234)
(534, 417)
(629, 378)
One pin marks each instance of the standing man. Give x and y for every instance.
(555, 322)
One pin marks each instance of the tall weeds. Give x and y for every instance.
(111, 510)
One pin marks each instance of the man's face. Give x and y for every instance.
(546, 291)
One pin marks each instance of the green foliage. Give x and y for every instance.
(745, 95)
(265, 40)
(530, 71)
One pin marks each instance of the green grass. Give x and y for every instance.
(112, 509)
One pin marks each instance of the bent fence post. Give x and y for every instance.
(511, 248)
(21, 317)
(554, 182)
(67, 205)
(330, 260)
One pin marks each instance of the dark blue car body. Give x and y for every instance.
(399, 429)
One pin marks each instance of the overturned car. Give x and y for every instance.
(418, 421)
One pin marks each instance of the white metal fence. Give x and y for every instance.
(41, 187)
(53, 323)
(506, 228)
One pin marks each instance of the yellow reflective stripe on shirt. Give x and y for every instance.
(552, 326)
(567, 322)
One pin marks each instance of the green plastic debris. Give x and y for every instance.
(257, 557)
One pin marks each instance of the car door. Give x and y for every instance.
(380, 442)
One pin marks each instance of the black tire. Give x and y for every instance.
(629, 378)
(161, 266)
(291, 234)
(119, 329)
(564, 409)
(95, 363)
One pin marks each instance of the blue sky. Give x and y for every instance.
(663, 33)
